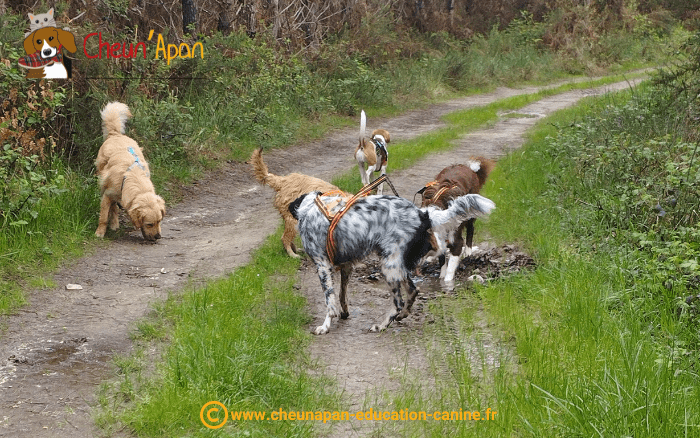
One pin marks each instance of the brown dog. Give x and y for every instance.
(288, 188)
(452, 182)
(372, 153)
(47, 43)
(125, 178)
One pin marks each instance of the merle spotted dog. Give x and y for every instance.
(396, 230)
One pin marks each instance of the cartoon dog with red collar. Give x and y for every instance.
(44, 58)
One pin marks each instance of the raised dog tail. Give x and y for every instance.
(482, 167)
(460, 209)
(261, 173)
(363, 125)
(114, 118)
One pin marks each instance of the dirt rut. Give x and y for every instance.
(55, 351)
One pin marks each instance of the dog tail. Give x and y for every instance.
(482, 167)
(114, 118)
(363, 125)
(261, 173)
(460, 209)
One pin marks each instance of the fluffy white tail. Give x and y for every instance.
(114, 118)
(460, 209)
(363, 124)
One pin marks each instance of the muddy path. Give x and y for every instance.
(56, 351)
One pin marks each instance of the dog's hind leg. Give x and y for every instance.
(105, 208)
(288, 237)
(380, 189)
(410, 298)
(470, 239)
(345, 272)
(114, 217)
(368, 175)
(398, 305)
(363, 176)
(325, 275)
(455, 253)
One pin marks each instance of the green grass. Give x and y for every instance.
(406, 153)
(237, 341)
(34, 247)
(580, 354)
(215, 340)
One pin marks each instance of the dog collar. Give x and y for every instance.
(35, 60)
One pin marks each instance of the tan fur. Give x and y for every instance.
(369, 155)
(288, 188)
(366, 156)
(123, 182)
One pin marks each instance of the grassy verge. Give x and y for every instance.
(236, 341)
(595, 341)
(405, 154)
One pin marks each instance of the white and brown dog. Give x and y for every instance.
(372, 153)
(392, 227)
(452, 182)
(44, 58)
(125, 179)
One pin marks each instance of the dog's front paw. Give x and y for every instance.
(100, 233)
(403, 314)
(321, 330)
(374, 329)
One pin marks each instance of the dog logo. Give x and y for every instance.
(44, 46)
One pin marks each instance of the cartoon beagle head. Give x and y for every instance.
(47, 41)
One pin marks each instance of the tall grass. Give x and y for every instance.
(236, 341)
(34, 243)
(597, 345)
(247, 93)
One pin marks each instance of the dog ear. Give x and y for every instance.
(136, 216)
(29, 44)
(67, 40)
(294, 206)
(161, 205)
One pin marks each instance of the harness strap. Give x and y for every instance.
(442, 192)
(438, 194)
(380, 149)
(137, 162)
(335, 218)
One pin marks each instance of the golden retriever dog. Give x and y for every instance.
(43, 47)
(372, 153)
(125, 179)
(288, 188)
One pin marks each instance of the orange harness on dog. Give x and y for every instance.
(440, 192)
(334, 218)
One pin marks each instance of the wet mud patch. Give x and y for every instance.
(371, 369)
(489, 263)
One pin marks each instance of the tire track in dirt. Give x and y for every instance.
(368, 366)
(56, 351)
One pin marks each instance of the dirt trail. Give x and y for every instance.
(55, 351)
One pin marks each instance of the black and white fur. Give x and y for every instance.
(396, 230)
